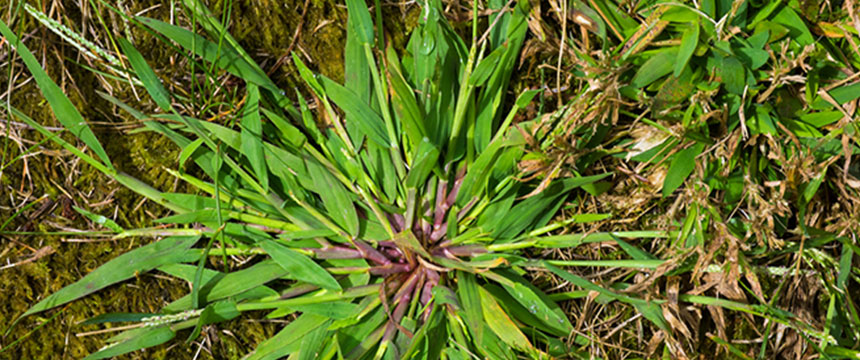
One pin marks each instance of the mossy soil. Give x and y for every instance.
(266, 29)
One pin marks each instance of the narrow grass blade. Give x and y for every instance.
(648, 309)
(288, 340)
(534, 210)
(369, 121)
(499, 322)
(148, 77)
(300, 266)
(149, 338)
(470, 298)
(231, 284)
(252, 135)
(62, 107)
(226, 58)
(125, 266)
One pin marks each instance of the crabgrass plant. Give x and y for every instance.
(399, 229)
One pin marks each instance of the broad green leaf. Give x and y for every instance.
(841, 95)
(797, 28)
(733, 75)
(63, 109)
(299, 265)
(426, 157)
(360, 23)
(688, 45)
(150, 81)
(682, 166)
(189, 150)
(754, 58)
(312, 343)
(149, 338)
(337, 310)
(140, 260)
(404, 103)
(485, 68)
(252, 135)
(656, 67)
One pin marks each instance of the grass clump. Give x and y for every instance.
(393, 226)
(406, 208)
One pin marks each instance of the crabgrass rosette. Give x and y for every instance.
(396, 230)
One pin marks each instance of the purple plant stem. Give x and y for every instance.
(398, 221)
(336, 252)
(427, 291)
(466, 250)
(441, 195)
(298, 290)
(465, 210)
(438, 232)
(390, 269)
(393, 253)
(370, 253)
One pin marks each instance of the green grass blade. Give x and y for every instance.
(648, 309)
(125, 266)
(336, 198)
(300, 266)
(502, 325)
(149, 338)
(224, 58)
(252, 135)
(368, 120)
(288, 340)
(231, 284)
(62, 107)
(682, 166)
(656, 67)
(534, 210)
(534, 300)
(470, 298)
(688, 46)
(148, 77)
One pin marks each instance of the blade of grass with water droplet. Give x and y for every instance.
(499, 322)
